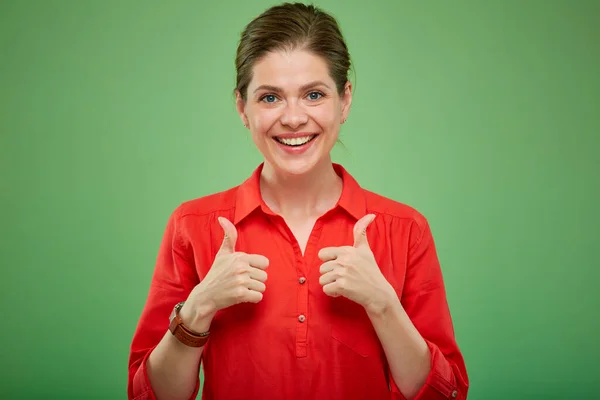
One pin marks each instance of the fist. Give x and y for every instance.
(352, 272)
(233, 278)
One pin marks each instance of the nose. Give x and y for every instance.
(293, 115)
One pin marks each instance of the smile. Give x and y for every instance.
(297, 141)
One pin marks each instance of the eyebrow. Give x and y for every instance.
(302, 88)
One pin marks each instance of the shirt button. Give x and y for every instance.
(302, 280)
(301, 318)
(454, 394)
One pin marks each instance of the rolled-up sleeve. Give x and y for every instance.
(424, 300)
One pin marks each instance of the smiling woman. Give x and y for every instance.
(294, 110)
(297, 283)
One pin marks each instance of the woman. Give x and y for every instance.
(297, 284)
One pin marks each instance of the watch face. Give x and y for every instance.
(175, 310)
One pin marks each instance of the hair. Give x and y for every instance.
(292, 26)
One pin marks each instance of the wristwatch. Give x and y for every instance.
(184, 334)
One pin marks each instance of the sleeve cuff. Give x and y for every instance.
(142, 390)
(440, 383)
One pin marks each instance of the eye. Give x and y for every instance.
(269, 98)
(315, 96)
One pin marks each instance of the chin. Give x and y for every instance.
(295, 167)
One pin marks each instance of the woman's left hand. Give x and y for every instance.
(352, 272)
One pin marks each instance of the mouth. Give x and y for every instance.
(296, 141)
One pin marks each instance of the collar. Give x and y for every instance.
(248, 196)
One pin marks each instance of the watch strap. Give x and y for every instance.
(184, 334)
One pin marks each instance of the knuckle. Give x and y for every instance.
(240, 294)
(239, 267)
(239, 280)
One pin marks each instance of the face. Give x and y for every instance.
(293, 110)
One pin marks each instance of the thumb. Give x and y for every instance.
(229, 238)
(360, 230)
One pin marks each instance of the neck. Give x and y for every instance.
(303, 196)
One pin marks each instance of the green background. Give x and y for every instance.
(484, 115)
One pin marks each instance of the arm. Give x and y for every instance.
(164, 368)
(417, 332)
(159, 366)
(407, 353)
(173, 367)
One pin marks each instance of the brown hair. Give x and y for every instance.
(292, 26)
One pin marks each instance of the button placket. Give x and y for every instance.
(302, 310)
(302, 288)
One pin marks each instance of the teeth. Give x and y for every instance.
(295, 141)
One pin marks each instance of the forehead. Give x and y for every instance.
(289, 69)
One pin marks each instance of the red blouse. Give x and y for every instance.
(298, 343)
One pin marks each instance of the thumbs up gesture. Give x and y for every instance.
(233, 278)
(352, 272)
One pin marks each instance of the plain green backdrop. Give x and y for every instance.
(484, 115)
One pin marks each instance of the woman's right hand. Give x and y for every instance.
(233, 278)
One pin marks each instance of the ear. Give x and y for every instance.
(346, 101)
(240, 106)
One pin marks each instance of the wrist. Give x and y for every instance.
(197, 315)
(383, 304)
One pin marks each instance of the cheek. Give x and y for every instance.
(326, 117)
(263, 120)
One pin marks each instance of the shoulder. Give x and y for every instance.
(379, 204)
(206, 205)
